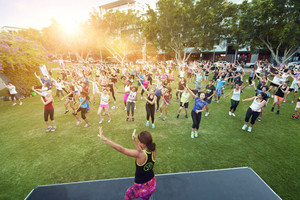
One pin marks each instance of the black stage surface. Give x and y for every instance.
(237, 183)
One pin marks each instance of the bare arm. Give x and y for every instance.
(191, 92)
(249, 99)
(229, 93)
(37, 91)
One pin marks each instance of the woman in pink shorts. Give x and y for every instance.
(104, 105)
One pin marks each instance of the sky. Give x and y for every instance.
(38, 13)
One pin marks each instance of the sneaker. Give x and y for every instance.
(115, 102)
(127, 119)
(284, 101)
(176, 99)
(100, 122)
(160, 115)
(103, 113)
(125, 108)
(277, 112)
(186, 116)
(259, 119)
(272, 109)
(229, 113)
(177, 115)
(292, 101)
(192, 134)
(132, 119)
(297, 117)
(141, 97)
(196, 134)
(206, 114)
(164, 118)
(53, 129)
(244, 127)
(147, 123)
(156, 110)
(109, 121)
(86, 125)
(153, 126)
(134, 107)
(294, 116)
(233, 114)
(94, 103)
(48, 129)
(14, 104)
(272, 96)
(66, 111)
(21, 103)
(218, 101)
(249, 129)
(78, 122)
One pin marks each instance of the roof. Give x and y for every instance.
(108, 4)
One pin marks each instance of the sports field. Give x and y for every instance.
(30, 157)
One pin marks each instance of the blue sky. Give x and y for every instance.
(38, 13)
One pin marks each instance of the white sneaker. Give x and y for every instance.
(14, 104)
(100, 122)
(249, 129)
(86, 125)
(125, 108)
(230, 113)
(115, 102)
(141, 97)
(192, 134)
(233, 114)
(272, 96)
(206, 114)
(78, 122)
(244, 127)
(21, 103)
(196, 134)
(109, 120)
(218, 101)
(103, 113)
(160, 115)
(165, 118)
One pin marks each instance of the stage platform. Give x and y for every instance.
(232, 184)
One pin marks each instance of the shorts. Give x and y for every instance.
(189, 75)
(206, 76)
(186, 105)
(274, 85)
(280, 98)
(104, 106)
(70, 98)
(163, 101)
(76, 91)
(14, 96)
(293, 89)
(219, 92)
(208, 100)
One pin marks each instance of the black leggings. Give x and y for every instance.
(250, 80)
(234, 104)
(83, 111)
(254, 115)
(150, 112)
(157, 101)
(196, 119)
(47, 113)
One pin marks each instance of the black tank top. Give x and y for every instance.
(144, 173)
(280, 91)
(150, 99)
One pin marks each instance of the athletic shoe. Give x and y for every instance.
(277, 112)
(21, 103)
(160, 115)
(127, 119)
(284, 101)
(153, 126)
(125, 108)
(249, 129)
(14, 104)
(244, 127)
(164, 118)
(66, 111)
(103, 113)
(115, 102)
(233, 114)
(86, 125)
(94, 103)
(176, 99)
(186, 116)
(218, 101)
(294, 116)
(297, 117)
(259, 119)
(177, 115)
(147, 123)
(132, 119)
(48, 129)
(229, 113)
(141, 97)
(156, 111)
(272, 109)
(192, 134)
(53, 129)
(272, 96)
(196, 134)
(100, 122)
(78, 122)
(292, 101)
(206, 114)
(109, 121)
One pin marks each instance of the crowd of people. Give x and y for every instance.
(196, 83)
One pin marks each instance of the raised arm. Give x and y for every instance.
(245, 85)
(4, 83)
(229, 93)
(39, 93)
(191, 92)
(143, 86)
(249, 99)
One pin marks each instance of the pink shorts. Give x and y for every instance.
(125, 97)
(104, 106)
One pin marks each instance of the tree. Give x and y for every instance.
(273, 24)
(19, 59)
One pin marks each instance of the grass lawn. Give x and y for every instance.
(30, 157)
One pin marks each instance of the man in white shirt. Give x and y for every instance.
(13, 93)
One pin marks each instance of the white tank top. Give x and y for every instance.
(236, 95)
(127, 88)
(104, 99)
(276, 80)
(256, 105)
(132, 95)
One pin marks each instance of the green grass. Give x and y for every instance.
(30, 157)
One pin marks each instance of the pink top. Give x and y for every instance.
(146, 84)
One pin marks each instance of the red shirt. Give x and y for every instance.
(48, 106)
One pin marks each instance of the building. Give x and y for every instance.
(124, 5)
(10, 29)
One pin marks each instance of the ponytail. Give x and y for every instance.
(146, 138)
(151, 146)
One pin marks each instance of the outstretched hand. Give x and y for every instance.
(133, 134)
(100, 135)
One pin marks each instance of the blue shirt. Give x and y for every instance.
(199, 104)
(220, 84)
(84, 105)
(141, 77)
